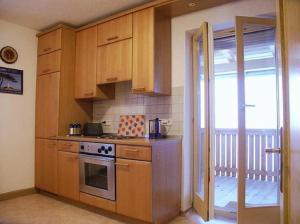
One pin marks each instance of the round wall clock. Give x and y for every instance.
(9, 55)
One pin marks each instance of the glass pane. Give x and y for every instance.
(200, 115)
(261, 117)
(96, 176)
(225, 124)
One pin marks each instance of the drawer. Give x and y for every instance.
(98, 202)
(134, 152)
(49, 63)
(49, 42)
(115, 30)
(68, 146)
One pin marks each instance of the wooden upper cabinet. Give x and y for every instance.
(151, 52)
(49, 63)
(49, 42)
(46, 165)
(47, 105)
(134, 189)
(85, 66)
(68, 175)
(115, 30)
(114, 62)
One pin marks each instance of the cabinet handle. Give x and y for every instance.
(142, 89)
(89, 94)
(46, 70)
(122, 164)
(47, 49)
(112, 79)
(131, 150)
(112, 38)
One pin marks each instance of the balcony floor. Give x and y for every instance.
(258, 193)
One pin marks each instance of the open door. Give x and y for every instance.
(201, 70)
(259, 154)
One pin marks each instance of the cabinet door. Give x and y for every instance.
(46, 165)
(115, 30)
(47, 105)
(68, 175)
(143, 51)
(49, 63)
(49, 42)
(134, 189)
(114, 62)
(85, 66)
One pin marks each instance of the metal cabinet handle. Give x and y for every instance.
(89, 94)
(273, 150)
(132, 150)
(112, 79)
(112, 38)
(142, 89)
(122, 164)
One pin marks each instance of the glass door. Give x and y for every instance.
(201, 70)
(258, 126)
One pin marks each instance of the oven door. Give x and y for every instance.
(97, 176)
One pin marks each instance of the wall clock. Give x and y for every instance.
(9, 55)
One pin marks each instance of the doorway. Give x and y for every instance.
(238, 110)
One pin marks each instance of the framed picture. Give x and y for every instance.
(11, 80)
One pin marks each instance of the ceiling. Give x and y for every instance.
(41, 14)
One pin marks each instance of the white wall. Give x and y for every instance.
(17, 112)
(181, 27)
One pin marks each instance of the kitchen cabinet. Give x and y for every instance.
(46, 165)
(49, 63)
(85, 67)
(47, 105)
(134, 189)
(114, 62)
(50, 42)
(68, 175)
(151, 52)
(115, 30)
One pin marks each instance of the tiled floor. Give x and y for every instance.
(40, 209)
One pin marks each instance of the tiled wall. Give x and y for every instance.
(126, 103)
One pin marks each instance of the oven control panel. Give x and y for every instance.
(98, 148)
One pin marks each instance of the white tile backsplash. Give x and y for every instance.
(126, 103)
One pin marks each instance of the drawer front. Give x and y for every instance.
(134, 152)
(49, 63)
(68, 146)
(49, 42)
(115, 30)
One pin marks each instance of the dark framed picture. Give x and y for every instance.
(11, 80)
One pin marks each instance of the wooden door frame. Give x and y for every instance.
(202, 206)
(246, 215)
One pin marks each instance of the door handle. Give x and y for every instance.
(246, 105)
(273, 150)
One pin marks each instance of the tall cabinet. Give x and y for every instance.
(55, 103)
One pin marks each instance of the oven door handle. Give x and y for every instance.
(97, 158)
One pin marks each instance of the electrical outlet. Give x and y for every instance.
(166, 122)
(106, 123)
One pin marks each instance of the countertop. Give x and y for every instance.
(129, 141)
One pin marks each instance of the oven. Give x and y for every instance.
(97, 169)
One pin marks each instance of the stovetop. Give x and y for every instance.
(110, 136)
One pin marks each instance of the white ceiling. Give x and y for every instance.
(40, 14)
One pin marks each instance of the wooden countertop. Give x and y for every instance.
(130, 141)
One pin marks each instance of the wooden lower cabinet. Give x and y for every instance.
(46, 165)
(134, 189)
(68, 175)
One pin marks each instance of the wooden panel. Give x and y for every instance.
(47, 108)
(134, 189)
(68, 146)
(143, 51)
(114, 62)
(46, 165)
(134, 152)
(115, 30)
(49, 63)
(49, 42)
(98, 202)
(68, 175)
(85, 66)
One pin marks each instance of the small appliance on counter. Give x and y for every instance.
(155, 129)
(75, 129)
(93, 129)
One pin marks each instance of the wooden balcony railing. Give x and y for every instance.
(260, 165)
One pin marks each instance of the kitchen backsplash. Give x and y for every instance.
(126, 103)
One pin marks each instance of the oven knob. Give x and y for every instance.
(82, 147)
(99, 150)
(106, 151)
(102, 147)
(109, 148)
